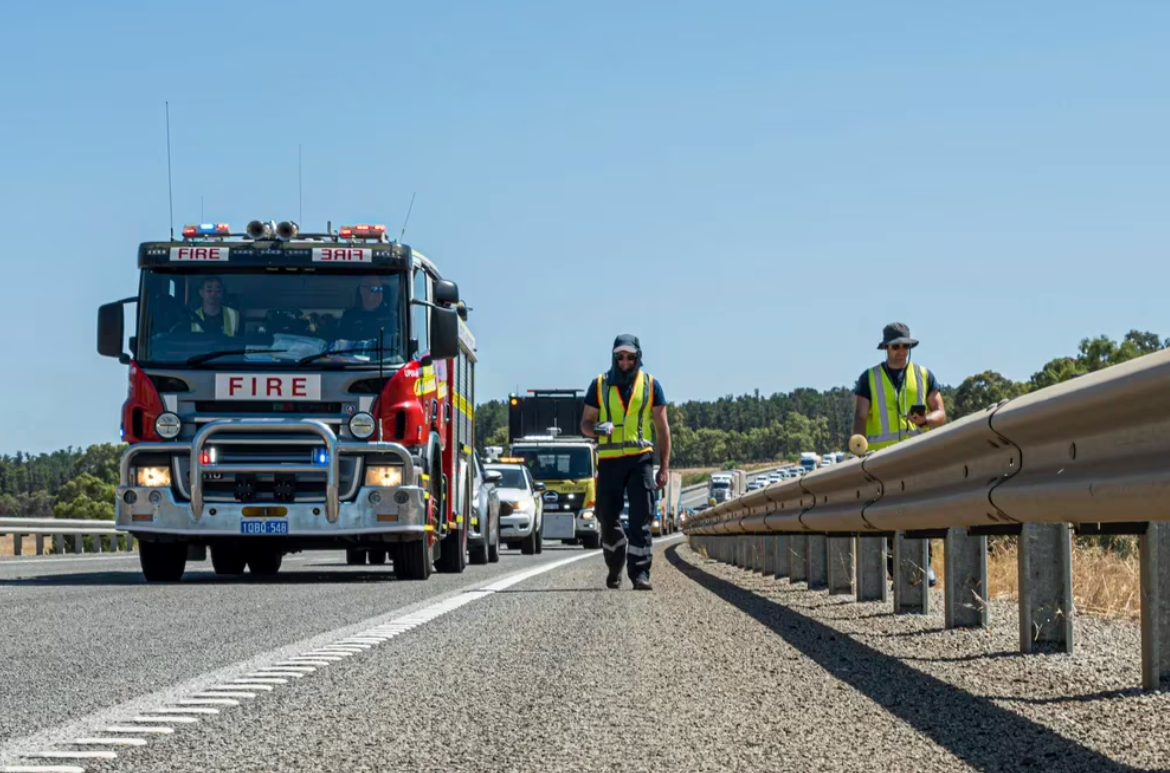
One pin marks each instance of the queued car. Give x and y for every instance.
(521, 508)
(483, 541)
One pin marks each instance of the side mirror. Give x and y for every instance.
(110, 329)
(539, 486)
(492, 476)
(444, 333)
(446, 292)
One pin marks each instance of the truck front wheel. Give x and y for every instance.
(412, 560)
(228, 559)
(264, 561)
(162, 561)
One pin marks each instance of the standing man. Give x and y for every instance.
(625, 409)
(212, 315)
(896, 400)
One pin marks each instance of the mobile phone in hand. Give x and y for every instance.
(919, 410)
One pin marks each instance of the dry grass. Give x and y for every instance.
(1105, 583)
(28, 545)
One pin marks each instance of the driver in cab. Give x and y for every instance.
(212, 316)
(377, 309)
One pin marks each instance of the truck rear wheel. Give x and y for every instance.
(355, 557)
(412, 560)
(377, 557)
(264, 561)
(453, 553)
(162, 561)
(228, 559)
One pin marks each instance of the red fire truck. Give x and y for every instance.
(293, 391)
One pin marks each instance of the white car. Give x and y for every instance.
(521, 509)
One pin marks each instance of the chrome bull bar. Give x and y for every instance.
(334, 446)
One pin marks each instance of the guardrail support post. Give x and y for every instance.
(78, 543)
(911, 589)
(816, 560)
(1155, 578)
(796, 558)
(40, 544)
(782, 556)
(840, 565)
(769, 555)
(1045, 571)
(965, 581)
(58, 543)
(872, 583)
(17, 544)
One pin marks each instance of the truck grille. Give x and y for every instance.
(266, 407)
(289, 449)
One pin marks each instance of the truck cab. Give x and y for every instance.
(291, 391)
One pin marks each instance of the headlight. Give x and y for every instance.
(379, 475)
(168, 425)
(520, 505)
(586, 514)
(154, 476)
(361, 425)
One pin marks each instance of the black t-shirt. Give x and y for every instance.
(896, 378)
(625, 392)
(209, 323)
(362, 325)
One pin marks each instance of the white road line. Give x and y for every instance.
(277, 672)
(316, 662)
(310, 659)
(289, 669)
(244, 686)
(75, 755)
(42, 769)
(110, 741)
(186, 710)
(147, 729)
(205, 702)
(14, 561)
(223, 694)
(173, 720)
(260, 680)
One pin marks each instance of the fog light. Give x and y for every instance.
(375, 498)
(154, 476)
(361, 425)
(586, 514)
(379, 475)
(129, 497)
(401, 497)
(168, 426)
(155, 497)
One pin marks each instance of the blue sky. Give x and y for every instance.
(753, 188)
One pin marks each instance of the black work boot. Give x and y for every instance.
(642, 582)
(614, 580)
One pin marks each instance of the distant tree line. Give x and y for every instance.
(753, 428)
(69, 483)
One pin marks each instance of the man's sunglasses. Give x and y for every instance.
(899, 347)
(627, 357)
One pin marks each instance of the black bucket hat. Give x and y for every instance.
(897, 333)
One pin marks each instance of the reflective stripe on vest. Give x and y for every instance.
(231, 321)
(633, 427)
(887, 423)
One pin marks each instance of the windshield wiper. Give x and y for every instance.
(319, 355)
(207, 357)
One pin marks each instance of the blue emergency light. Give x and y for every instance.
(321, 456)
(207, 229)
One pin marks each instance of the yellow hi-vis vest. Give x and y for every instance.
(887, 423)
(231, 321)
(633, 424)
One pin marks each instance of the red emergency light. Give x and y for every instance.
(362, 231)
(207, 229)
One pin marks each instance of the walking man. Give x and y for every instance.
(625, 410)
(895, 400)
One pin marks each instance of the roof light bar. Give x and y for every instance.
(207, 229)
(363, 231)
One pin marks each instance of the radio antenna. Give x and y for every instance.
(170, 189)
(407, 220)
(300, 189)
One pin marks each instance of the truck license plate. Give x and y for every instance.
(263, 527)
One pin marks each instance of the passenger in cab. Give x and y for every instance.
(377, 309)
(212, 316)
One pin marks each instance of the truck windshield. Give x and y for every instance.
(284, 319)
(720, 484)
(557, 463)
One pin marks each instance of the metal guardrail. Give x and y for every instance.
(59, 529)
(1091, 456)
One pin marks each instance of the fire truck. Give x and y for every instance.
(294, 391)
